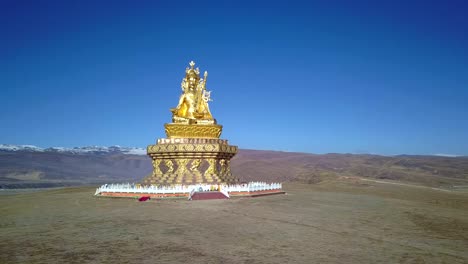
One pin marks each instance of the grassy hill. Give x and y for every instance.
(25, 169)
(309, 168)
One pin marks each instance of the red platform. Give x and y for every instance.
(199, 195)
(208, 195)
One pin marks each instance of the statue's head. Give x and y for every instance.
(192, 76)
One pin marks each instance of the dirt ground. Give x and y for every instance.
(346, 221)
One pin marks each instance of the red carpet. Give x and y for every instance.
(208, 196)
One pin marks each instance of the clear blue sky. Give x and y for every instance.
(384, 77)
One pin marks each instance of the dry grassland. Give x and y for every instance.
(343, 221)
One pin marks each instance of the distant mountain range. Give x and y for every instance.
(28, 166)
(76, 150)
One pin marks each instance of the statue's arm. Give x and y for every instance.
(205, 77)
(181, 100)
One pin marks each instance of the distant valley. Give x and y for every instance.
(32, 167)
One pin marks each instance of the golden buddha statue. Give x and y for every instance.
(191, 118)
(193, 103)
(193, 151)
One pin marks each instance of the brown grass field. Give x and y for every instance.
(336, 221)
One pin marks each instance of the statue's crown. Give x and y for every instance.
(195, 72)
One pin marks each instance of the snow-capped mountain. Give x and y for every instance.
(76, 150)
(6, 147)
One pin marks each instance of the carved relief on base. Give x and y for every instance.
(190, 161)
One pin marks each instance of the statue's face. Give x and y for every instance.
(192, 82)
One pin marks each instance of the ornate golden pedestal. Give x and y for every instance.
(191, 160)
(192, 152)
(193, 131)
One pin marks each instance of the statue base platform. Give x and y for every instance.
(177, 130)
(180, 191)
(191, 161)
